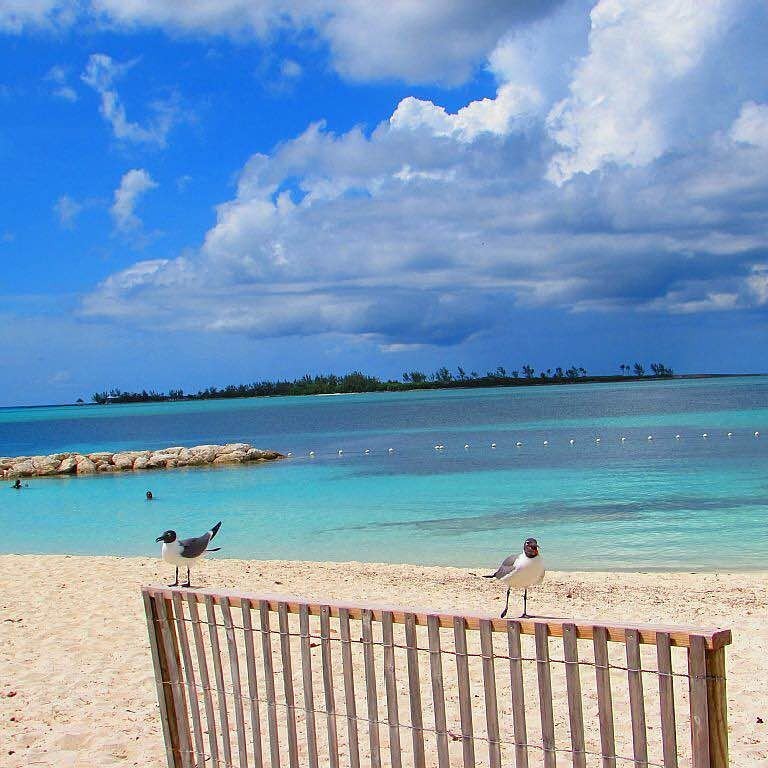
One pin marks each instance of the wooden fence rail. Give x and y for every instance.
(279, 681)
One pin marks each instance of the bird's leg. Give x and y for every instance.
(506, 605)
(188, 584)
(176, 583)
(525, 604)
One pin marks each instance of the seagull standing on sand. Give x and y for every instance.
(186, 552)
(523, 570)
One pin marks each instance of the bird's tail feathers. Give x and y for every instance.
(215, 549)
(215, 529)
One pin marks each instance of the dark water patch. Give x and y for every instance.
(608, 512)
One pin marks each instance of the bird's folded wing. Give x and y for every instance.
(507, 567)
(195, 547)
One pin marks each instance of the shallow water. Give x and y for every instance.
(691, 503)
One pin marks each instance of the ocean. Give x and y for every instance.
(687, 503)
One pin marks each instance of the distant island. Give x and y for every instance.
(356, 382)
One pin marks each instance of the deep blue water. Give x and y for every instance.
(688, 503)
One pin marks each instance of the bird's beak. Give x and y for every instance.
(159, 538)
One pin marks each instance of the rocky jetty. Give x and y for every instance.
(124, 461)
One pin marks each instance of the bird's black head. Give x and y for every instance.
(167, 537)
(531, 547)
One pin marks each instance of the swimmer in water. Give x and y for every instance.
(17, 485)
(149, 496)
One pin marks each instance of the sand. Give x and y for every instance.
(76, 681)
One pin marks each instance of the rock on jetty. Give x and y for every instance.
(123, 461)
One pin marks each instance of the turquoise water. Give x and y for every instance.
(686, 504)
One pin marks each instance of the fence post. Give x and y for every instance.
(163, 680)
(717, 708)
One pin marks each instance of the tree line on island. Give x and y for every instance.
(331, 384)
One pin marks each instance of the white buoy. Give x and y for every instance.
(289, 454)
(466, 446)
(757, 434)
(367, 451)
(571, 441)
(677, 437)
(518, 444)
(390, 450)
(650, 437)
(493, 445)
(546, 442)
(623, 439)
(730, 434)
(341, 453)
(705, 435)
(311, 453)
(597, 439)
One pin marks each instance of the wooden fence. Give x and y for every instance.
(270, 680)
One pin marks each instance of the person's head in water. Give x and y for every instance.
(149, 496)
(17, 484)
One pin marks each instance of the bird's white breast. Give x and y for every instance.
(527, 572)
(172, 553)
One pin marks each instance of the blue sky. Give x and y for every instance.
(220, 191)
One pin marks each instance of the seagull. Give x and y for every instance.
(523, 570)
(185, 552)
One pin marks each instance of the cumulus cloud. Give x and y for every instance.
(133, 185)
(101, 73)
(621, 107)
(751, 126)
(412, 41)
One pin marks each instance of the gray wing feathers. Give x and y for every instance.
(506, 567)
(195, 547)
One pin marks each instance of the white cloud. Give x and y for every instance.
(751, 126)
(67, 210)
(100, 74)
(494, 116)
(58, 75)
(622, 107)
(416, 42)
(133, 185)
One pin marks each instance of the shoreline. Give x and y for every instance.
(74, 649)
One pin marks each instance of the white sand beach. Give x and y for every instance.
(76, 679)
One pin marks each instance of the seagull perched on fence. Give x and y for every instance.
(523, 570)
(186, 552)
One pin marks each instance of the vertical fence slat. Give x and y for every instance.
(666, 699)
(393, 717)
(330, 699)
(237, 691)
(438, 693)
(718, 708)
(573, 686)
(290, 701)
(164, 694)
(604, 697)
(414, 688)
(189, 674)
(309, 694)
(518, 694)
(636, 700)
(218, 672)
(205, 681)
(489, 686)
(170, 646)
(697, 671)
(350, 704)
(465, 694)
(370, 690)
(269, 684)
(253, 687)
(543, 674)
